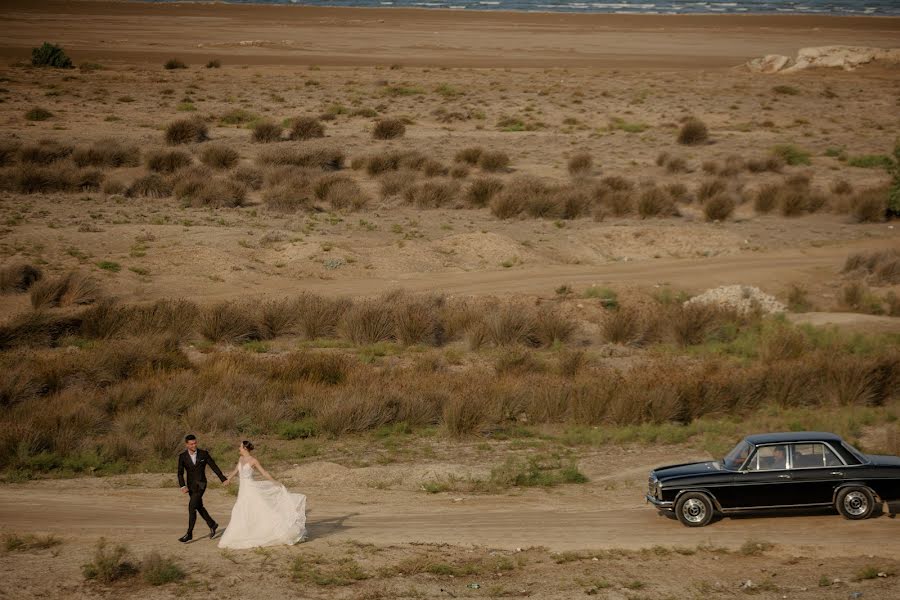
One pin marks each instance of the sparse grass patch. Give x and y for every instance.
(792, 155)
(871, 161)
(38, 114)
(174, 63)
(13, 542)
(159, 570)
(580, 164)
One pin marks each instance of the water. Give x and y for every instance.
(805, 7)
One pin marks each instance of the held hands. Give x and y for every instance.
(184, 490)
(227, 481)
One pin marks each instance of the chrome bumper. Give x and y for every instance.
(660, 504)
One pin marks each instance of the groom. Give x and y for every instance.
(195, 461)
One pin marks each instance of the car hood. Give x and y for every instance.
(686, 469)
(884, 460)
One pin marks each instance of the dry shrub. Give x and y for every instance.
(327, 159)
(710, 188)
(882, 265)
(719, 208)
(18, 278)
(570, 363)
(854, 294)
(693, 131)
(393, 160)
(617, 183)
(149, 186)
(770, 163)
(792, 200)
(433, 168)
(318, 316)
(841, 187)
(679, 192)
(733, 166)
(766, 198)
(521, 192)
(186, 131)
(432, 194)
(493, 160)
(580, 164)
(396, 182)
(228, 322)
(104, 319)
(9, 150)
(306, 128)
(219, 156)
(168, 161)
(870, 206)
(276, 317)
(481, 190)
(70, 289)
(346, 194)
(517, 361)
(265, 132)
(690, 324)
(572, 202)
(417, 321)
(465, 414)
(107, 152)
(510, 323)
(551, 327)
(388, 129)
(114, 187)
(37, 179)
(369, 322)
(459, 171)
(172, 318)
(198, 190)
(782, 343)
(470, 155)
(44, 152)
(655, 202)
(324, 183)
(251, 177)
(289, 189)
(620, 203)
(629, 326)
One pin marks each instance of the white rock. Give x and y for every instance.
(843, 57)
(742, 298)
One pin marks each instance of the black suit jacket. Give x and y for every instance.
(196, 474)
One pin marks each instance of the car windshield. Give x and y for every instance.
(734, 459)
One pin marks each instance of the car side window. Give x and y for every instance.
(769, 458)
(808, 456)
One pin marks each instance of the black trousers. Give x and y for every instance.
(196, 506)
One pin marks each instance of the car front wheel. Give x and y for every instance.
(694, 509)
(855, 503)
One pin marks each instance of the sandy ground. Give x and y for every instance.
(381, 511)
(329, 36)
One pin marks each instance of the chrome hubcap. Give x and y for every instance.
(694, 510)
(856, 503)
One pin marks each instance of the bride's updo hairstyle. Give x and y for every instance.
(248, 445)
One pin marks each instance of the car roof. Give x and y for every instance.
(792, 436)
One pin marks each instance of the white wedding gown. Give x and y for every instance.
(265, 514)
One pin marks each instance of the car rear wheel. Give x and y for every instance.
(855, 503)
(694, 509)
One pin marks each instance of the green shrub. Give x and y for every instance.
(871, 161)
(38, 114)
(110, 563)
(693, 132)
(174, 63)
(293, 430)
(158, 570)
(791, 154)
(50, 55)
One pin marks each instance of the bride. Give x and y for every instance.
(265, 513)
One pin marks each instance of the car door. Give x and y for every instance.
(763, 480)
(816, 471)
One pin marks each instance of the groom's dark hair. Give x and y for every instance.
(190, 437)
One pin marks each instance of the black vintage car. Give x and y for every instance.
(778, 471)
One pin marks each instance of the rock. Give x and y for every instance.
(748, 585)
(843, 57)
(742, 298)
(770, 63)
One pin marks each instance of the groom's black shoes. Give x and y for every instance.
(212, 530)
(185, 538)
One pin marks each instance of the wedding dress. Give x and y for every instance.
(265, 514)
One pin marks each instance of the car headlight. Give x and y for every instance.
(657, 490)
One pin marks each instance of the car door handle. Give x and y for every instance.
(837, 473)
(784, 477)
